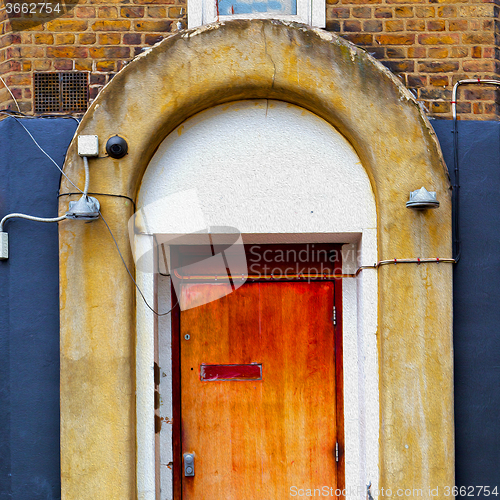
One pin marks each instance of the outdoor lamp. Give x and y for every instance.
(421, 199)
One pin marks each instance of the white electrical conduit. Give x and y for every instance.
(87, 176)
(29, 217)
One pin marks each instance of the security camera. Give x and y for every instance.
(116, 147)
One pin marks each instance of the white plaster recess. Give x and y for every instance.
(279, 174)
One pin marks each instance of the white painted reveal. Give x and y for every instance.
(278, 174)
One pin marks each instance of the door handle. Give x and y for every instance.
(188, 464)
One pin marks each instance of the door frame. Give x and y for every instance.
(107, 443)
(176, 366)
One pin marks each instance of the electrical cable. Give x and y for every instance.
(102, 194)
(30, 217)
(10, 92)
(131, 277)
(11, 113)
(45, 153)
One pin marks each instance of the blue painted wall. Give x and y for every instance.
(476, 302)
(29, 308)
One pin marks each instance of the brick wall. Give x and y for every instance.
(429, 44)
(99, 36)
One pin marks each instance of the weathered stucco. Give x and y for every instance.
(201, 68)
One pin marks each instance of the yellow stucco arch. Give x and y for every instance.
(201, 68)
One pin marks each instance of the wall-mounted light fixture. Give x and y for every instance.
(421, 199)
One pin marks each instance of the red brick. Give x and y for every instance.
(83, 65)
(478, 38)
(109, 52)
(152, 39)
(63, 64)
(105, 66)
(459, 52)
(488, 52)
(364, 2)
(87, 38)
(160, 12)
(13, 52)
(18, 79)
(152, 25)
(456, 25)
(67, 52)
(42, 65)
(65, 39)
(464, 107)
(399, 66)
(447, 11)
(417, 52)
(435, 94)
(488, 25)
(439, 81)
(176, 12)
(485, 94)
(352, 26)
(27, 94)
(372, 26)
(436, 25)
(97, 79)
(404, 11)
(339, 13)
(438, 53)
(66, 25)
(404, 1)
(133, 12)
(440, 107)
(32, 52)
(394, 26)
(44, 38)
(132, 38)
(437, 67)
(477, 108)
(396, 52)
(395, 39)
(359, 39)
(415, 25)
(431, 39)
(85, 12)
(383, 12)
(108, 12)
(362, 12)
(479, 66)
(109, 38)
(333, 26)
(111, 26)
(94, 91)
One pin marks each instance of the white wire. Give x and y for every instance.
(48, 156)
(15, 100)
(30, 217)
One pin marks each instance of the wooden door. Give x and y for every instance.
(258, 391)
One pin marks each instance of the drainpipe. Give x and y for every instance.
(456, 185)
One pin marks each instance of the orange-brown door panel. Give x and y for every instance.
(255, 437)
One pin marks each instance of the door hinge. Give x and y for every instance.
(334, 316)
(336, 452)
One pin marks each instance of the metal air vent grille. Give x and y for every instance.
(62, 92)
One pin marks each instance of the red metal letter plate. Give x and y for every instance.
(210, 373)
